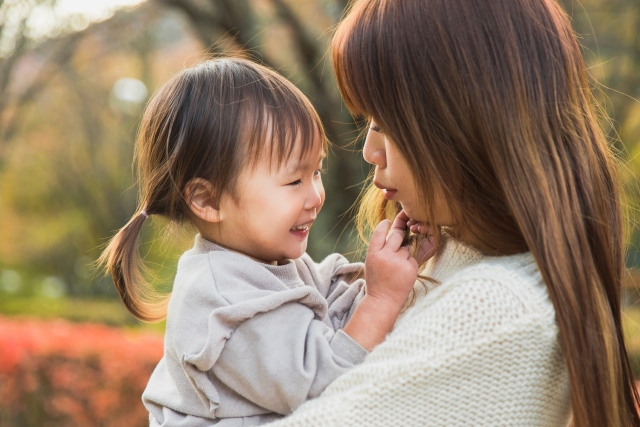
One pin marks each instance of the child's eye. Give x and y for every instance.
(296, 182)
(318, 172)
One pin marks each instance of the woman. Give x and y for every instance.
(483, 129)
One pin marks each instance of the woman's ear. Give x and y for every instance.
(202, 200)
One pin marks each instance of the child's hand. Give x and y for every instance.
(427, 248)
(390, 270)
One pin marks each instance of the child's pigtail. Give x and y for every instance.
(122, 260)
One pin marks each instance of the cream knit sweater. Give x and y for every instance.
(479, 349)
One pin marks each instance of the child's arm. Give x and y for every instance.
(342, 282)
(339, 281)
(275, 350)
(390, 273)
(281, 358)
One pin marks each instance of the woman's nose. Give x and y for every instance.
(373, 150)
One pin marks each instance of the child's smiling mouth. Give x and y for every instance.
(301, 230)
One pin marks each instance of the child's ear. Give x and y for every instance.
(202, 200)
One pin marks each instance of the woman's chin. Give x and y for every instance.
(416, 216)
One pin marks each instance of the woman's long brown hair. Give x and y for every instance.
(489, 102)
(210, 121)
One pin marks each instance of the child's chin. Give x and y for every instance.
(296, 253)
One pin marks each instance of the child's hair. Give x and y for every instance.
(209, 121)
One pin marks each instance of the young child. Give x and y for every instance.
(254, 326)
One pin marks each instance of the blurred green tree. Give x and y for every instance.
(71, 96)
(16, 43)
(609, 32)
(67, 183)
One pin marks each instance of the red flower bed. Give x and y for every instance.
(62, 374)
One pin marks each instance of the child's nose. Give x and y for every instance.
(315, 199)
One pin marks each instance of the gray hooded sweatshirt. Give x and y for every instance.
(246, 343)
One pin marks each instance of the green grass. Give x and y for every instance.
(108, 312)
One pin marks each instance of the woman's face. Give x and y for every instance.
(394, 178)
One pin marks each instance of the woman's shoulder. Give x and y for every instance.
(513, 279)
(479, 298)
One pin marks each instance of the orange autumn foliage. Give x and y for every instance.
(54, 373)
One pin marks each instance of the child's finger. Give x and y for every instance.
(379, 236)
(420, 229)
(394, 240)
(400, 222)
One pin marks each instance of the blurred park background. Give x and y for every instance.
(74, 78)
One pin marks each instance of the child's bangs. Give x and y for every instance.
(282, 124)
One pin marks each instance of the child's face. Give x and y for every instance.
(275, 208)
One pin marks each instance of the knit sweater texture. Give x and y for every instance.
(247, 342)
(481, 348)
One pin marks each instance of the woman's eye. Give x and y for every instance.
(318, 172)
(376, 128)
(296, 182)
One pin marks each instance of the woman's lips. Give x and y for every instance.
(388, 192)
